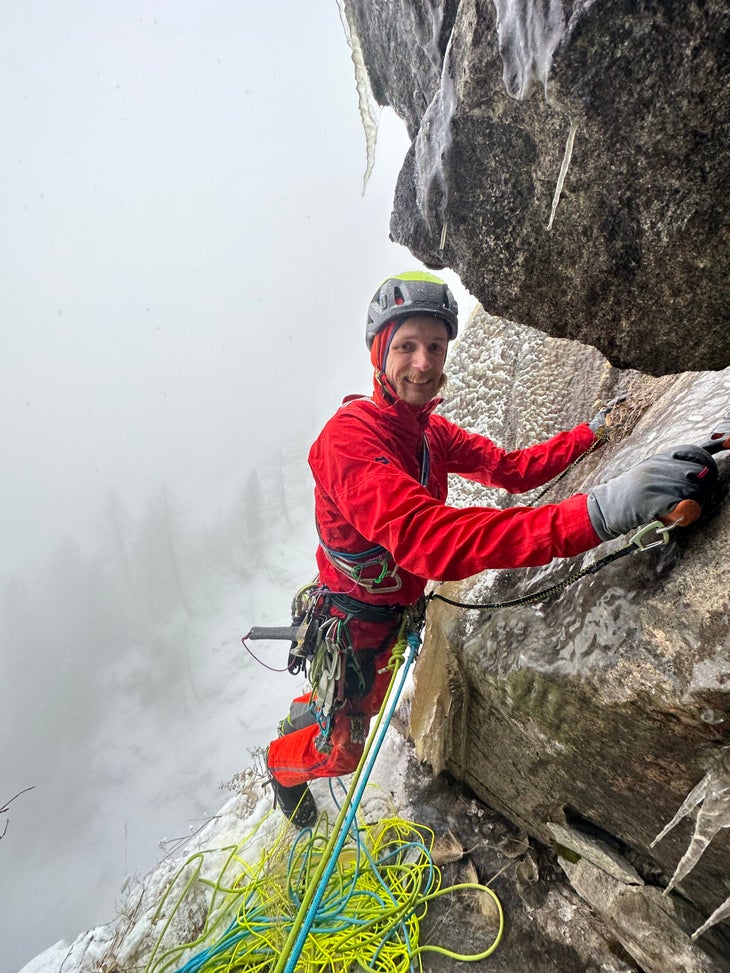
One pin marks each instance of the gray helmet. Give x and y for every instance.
(415, 292)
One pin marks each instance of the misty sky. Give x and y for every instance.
(186, 254)
(186, 259)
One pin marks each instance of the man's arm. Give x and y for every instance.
(444, 543)
(517, 471)
(389, 507)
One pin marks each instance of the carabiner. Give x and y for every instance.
(659, 528)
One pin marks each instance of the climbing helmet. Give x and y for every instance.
(413, 292)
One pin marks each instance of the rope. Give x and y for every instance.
(346, 816)
(546, 593)
(555, 589)
(327, 906)
(370, 919)
(598, 441)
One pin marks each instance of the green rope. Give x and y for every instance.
(384, 883)
(336, 906)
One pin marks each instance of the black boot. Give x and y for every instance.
(296, 803)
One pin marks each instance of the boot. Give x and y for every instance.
(296, 803)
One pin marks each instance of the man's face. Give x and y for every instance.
(415, 362)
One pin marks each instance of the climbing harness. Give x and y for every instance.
(355, 566)
(321, 648)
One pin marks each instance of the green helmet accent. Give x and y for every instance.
(414, 292)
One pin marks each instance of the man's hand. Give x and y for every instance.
(599, 422)
(649, 490)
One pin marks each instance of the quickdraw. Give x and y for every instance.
(637, 543)
(322, 649)
(327, 675)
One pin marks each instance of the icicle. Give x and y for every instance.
(722, 912)
(369, 111)
(529, 32)
(695, 797)
(713, 794)
(567, 155)
(431, 148)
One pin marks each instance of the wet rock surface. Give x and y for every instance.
(631, 255)
(600, 710)
(548, 927)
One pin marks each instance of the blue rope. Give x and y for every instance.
(413, 642)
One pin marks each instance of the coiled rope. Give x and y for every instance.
(326, 905)
(370, 918)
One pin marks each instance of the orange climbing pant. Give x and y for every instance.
(294, 757)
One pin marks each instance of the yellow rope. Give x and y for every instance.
(337, 836)
(369, 919)
(367, 916)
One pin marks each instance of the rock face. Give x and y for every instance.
(631, 256)
(570, 163)
(603, 708)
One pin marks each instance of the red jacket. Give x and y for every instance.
(367, 463)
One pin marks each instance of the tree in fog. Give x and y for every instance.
(156, 562)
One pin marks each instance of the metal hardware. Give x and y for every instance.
(657, 527)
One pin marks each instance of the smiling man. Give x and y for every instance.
(416, 356)
(381, 467)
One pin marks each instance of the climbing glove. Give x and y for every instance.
(650, 490)
(599, 422)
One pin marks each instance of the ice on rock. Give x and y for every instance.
(712, 797)
(563, 172)
(431, 147)
(367, 106)
(529, 32)
(427, 32)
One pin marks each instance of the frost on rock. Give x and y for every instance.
(369, 111)
(712, 797)
(494, 354)
(428, 39)
(529, 32)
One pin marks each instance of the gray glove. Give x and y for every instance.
(650, 489)
(598, 422)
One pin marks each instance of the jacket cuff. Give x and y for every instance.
(581, 531)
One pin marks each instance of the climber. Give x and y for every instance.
(380, 469)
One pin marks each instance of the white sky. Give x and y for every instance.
(187, 254)
(186, 259)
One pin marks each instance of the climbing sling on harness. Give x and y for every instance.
(322, 648)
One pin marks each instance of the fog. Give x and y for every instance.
(187, 257)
